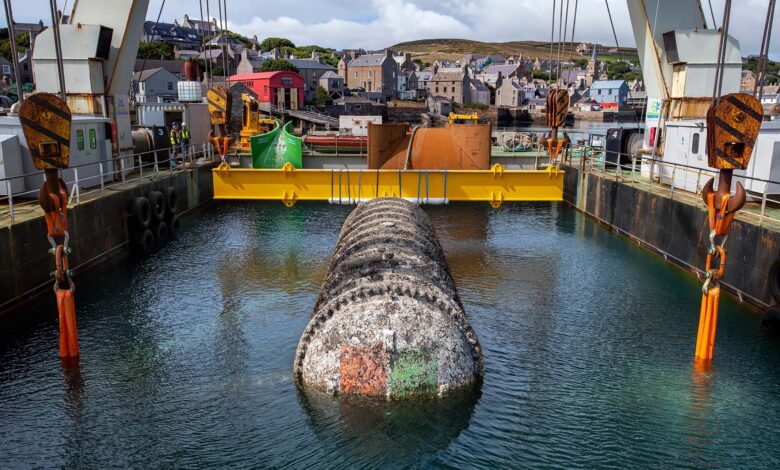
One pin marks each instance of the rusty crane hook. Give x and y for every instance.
(735, 202)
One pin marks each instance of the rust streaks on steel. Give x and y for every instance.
(45, 120)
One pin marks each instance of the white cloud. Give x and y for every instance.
(396, 21)
(374, 24)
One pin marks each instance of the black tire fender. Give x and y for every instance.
(161, 234)
(140, 212)
(143, 242)
(171, 199)
(771, 319)
(774, 280)
(157, 201)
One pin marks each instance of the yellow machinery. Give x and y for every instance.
(472, 118)
(350, 186)
(251, 122)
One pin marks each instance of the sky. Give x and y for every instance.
(375, 24)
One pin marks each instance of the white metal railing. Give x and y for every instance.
(680, 181)
(105, 175)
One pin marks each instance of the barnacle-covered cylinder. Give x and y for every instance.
(388, 320)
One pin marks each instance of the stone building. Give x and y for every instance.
(372, 73)
(509, 93)
(332, 83)
(405, 63)
(478, 92)
(452, 85)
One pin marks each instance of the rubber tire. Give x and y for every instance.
(171, 199)
(140, 212)
(173, 225)
(143, 243)
(161, 234)
(774, 280)
(157, 201)
(771, 320)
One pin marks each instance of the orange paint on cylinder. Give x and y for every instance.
(454, 147)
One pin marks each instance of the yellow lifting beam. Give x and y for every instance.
(350, 186)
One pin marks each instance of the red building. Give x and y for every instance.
(283, 88)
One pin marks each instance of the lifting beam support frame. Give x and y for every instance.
(350, 186)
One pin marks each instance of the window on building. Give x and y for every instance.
(599, 92)
(370, 73)
(437, 89)
(6, 69)
(695, 142)
(445, 89)
(265, 89)
(25, 67)
(170, 85)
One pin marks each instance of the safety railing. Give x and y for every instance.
(94, 178)
(680, 181)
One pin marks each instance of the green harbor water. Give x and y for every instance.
(186, 357)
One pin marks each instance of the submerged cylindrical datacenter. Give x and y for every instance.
(388, 320)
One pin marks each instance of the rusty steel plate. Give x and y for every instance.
(363, 370)
(219, 102)
(45, 120)
(557, 107)
(732, 129)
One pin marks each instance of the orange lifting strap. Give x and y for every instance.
(66, 306)
(719, 223)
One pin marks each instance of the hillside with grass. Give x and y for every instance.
(429, 50)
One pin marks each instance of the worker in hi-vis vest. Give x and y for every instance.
(180, 141)
(184, 137)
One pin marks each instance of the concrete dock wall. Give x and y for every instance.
(97, 228)
(678, 231)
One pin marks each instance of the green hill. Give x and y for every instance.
(429, 50)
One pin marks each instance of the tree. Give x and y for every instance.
(321, 97)
(618, 71)
(278, 64)
(247, 42)
(156, 50)
(271, 43)
(5, 44)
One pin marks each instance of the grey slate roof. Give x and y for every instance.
(505, 70)
(367, 60)
(330, 75)
(310, 64)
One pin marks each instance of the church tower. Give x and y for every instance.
(594, 68)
